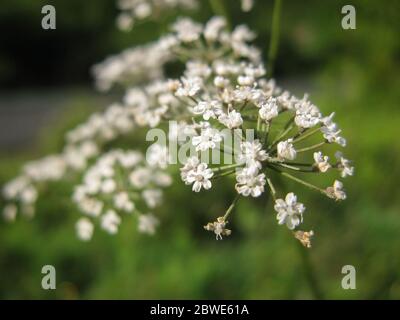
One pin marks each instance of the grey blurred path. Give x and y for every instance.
(24, 113)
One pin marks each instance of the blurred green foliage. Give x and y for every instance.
(356, 74)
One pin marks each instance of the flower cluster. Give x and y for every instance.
(119, 183)
(234, 95)
(222, 101)
(134, 11)
(138, 10)
(188, 39)
(21, 193)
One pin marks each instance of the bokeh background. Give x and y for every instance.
(46, 88)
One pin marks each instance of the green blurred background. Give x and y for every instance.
(46, 89)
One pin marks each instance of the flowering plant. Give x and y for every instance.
(231, 119)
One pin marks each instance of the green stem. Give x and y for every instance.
(230, 166)
(305, 135)
(315, 146)
(298, 180)
(265, 127)
(272, 189)
(274, 41)
(228, 212)
(243, 106)
(288, 127)
(227, 173)
(295, 168)
(310, 273)
(300, 164)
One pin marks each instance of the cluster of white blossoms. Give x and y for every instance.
(102, 127)
(138, 10)
(21, 193)
(120, 183)
(134, 11)
(223, 102)
(187, 40)
(233, 94)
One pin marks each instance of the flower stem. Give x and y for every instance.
(265, 129)
(243, 106)
(295, 168)
(315, 146)
(230, 166)
(226, 173)
(305, 135)
(272, 189)
(258, 123)
(298, 180)
(309, 273)
(299, 164)
(274, 41)
(228, 212)
(284, 132)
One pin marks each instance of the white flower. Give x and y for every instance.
(187, 30)
(232, 119)
(336, 192)
(249, 182)
(213, 28)
(199, 176)
(221, 82)
(123, 202)
(197, 68)
(108, 186)
(49, 168)
(143, 10)
(162, 179)
(29, 195)
(209, 109)
(290, 212)
(158, 156)
(15, 186)
(286, 150)
(344, 165)
(84, 229)
(124, 22)
(152, 197)
(207, 139)
(287, 101)
(191, 164)
(91, 207)
(242, 94)
(218, 227)
(189, 87)
(245, 81)
(254, 70)
(241, 34)
(140, 177)
(148, 223)
(129, 159)
(247, 5)
(252, 153)
(10, 212)
(268, 109)
(331, 132)
(307, 115)
(321, 161)
(179, 131)
(110, 221)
